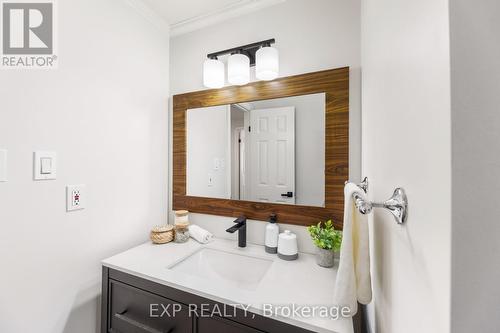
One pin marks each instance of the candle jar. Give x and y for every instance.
(181, 216)
(181, 226)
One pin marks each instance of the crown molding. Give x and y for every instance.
(237, 9)
(150, 15)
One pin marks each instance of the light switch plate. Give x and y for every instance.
(75, 197)
(44, 165)
(3, 165)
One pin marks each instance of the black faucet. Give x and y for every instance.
(241, 226)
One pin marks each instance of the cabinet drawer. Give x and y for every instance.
(134, 310)
(221, 325)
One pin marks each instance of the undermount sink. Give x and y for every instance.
(239, 270)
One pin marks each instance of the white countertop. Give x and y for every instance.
(301, 282)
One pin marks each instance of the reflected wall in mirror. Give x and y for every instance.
(264, 151)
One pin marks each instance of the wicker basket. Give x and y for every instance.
(162, 234)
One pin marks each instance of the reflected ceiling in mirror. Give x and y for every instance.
(264, 151)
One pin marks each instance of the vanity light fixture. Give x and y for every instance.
(213, 73)
(267, 63)
(238, 69)
(260, 54)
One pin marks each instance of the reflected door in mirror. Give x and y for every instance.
(272, 158)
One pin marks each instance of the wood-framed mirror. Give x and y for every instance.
(257, 177)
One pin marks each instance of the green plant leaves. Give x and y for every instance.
(325, 236)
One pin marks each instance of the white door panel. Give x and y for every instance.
(272, 158)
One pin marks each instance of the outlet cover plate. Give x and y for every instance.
(75, 197)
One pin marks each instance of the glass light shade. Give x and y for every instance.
(213, 73)
(267, 63)
(238, 69)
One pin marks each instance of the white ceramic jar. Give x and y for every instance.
(287, 246)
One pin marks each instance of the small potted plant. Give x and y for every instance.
(328, 241)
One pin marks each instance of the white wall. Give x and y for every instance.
(332, 41)
(406, 142)
(208, 140)
(104, 111)
(475, 81)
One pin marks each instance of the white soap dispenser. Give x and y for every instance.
(272, 233)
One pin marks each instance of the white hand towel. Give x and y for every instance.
(353, 277)
(200, 234)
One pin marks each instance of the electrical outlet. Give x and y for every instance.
(75, 197)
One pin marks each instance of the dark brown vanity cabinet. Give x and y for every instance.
(221, 325)
(134, 305)
(130, 310)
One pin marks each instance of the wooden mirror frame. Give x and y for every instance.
(335, 84)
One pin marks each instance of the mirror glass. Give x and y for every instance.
(265, 151)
